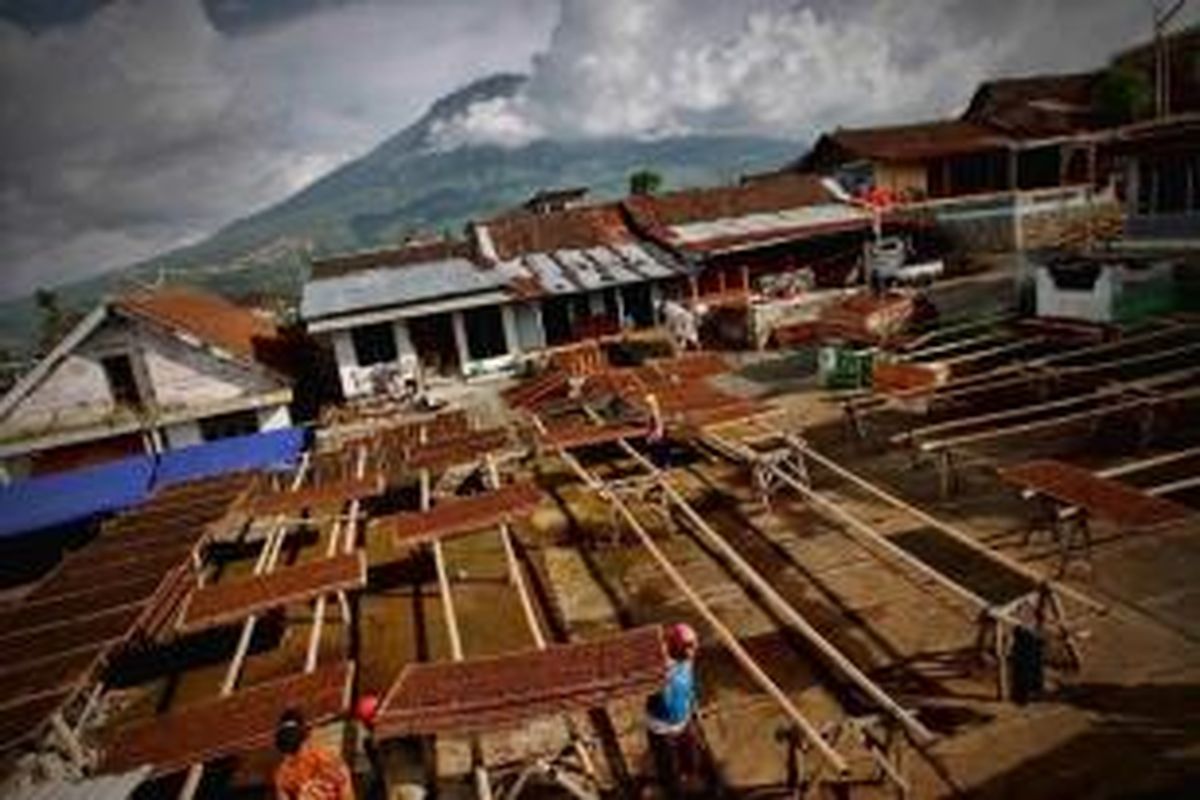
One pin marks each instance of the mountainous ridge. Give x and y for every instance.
(405, 184)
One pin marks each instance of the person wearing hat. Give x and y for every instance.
(670, 710)
(308, 771)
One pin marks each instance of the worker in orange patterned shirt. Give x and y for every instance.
(308, 771)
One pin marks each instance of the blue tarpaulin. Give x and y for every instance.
(53, 500)
(273, 450)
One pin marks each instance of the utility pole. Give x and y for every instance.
(1162, 56)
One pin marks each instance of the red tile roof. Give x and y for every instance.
(913, 142)
(520, 233)
(762, 195)
(208, 317)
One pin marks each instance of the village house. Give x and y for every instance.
(736, 238)
(1161, 183)
(143, 373)
(542, 276)
(1022, 168)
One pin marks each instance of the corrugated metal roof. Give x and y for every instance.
(573, 270)
(766, 224)
(378, 288)
(107, 787)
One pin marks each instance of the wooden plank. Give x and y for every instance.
(232, 601)
(483, 694)
(238, 723)
(30, 646)
(1101, 497)
(329, 494)
(23, 720)
(580, 433)
(463, 515)
(446, 452)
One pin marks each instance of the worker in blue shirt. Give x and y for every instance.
(670, 713)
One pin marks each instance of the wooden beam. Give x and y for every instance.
(1053, 422)
(786, 610)
(267, 558)
(956, 533)
(810, 731)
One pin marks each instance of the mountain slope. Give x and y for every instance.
(407, 184)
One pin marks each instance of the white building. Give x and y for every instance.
(143, 373)
(455, 310)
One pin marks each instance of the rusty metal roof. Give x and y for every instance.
(916, 142)
(774, 208)
(209, 318)
(1104, 497)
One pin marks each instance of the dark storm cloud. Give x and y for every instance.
(143, 126)
(132, 126)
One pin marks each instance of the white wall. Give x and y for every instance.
(355, 380)
(183, 376)
(183, 434)
(273, 418)
(1094, 305)
(75, 393)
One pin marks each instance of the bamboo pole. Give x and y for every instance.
(314, 639)
(483, 786)
(267, 559)
(1175, 486)
(955, 533)
(727, 637)
(531, 618)
(785, 609)
(1148, 463)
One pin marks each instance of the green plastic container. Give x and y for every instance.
(841, 366)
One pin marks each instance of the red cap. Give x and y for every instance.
(367, 708)
(681, 640)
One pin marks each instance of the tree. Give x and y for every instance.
(53, 319)
(645, 181)
(1122, 95)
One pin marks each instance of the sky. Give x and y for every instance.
(129, 127)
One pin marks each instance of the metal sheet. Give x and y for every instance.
(396, 286)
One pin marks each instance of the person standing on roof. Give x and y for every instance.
(308, 771)
(670, 713)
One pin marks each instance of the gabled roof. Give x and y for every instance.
(769, 209)
(1037, 107)
(390, 285)
(407, 253)
(762, 195)
(522, 233)
(910, 142)
(209, 318)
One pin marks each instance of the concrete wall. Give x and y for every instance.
(356, 380)
(1093, 305)
(184, 434)
(182, 376)
(273, 418)
(174, 378)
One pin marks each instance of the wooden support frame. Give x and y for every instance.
(268, 557)
(809, 731)
(786, 610)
